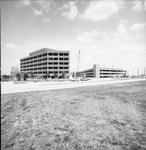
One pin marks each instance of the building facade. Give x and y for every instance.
(102, 72)
(46, 61)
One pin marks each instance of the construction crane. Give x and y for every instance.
(75, 79)
(78, 60)
(78, 79)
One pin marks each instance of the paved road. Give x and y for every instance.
(11, 87)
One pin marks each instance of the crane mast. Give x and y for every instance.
(78, 61)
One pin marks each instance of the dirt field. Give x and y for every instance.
(103, 117)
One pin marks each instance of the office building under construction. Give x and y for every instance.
(46, 61)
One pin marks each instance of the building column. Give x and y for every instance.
(96, 71)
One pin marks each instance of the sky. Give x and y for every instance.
(111, 33)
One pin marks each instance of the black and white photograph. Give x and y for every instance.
(73, 74)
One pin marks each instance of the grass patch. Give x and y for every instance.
(104, 117)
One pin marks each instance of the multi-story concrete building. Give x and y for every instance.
(101, 72)
(46, 61)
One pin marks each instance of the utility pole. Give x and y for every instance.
(144, 71)
(138, 72)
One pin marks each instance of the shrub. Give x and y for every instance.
(25, 76)
(18, 76)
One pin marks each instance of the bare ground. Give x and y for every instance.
(104, 117)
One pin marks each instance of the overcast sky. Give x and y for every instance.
(108, 32)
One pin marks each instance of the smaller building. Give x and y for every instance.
(102, 72)
(14, 71)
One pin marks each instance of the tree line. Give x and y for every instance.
(24, 76)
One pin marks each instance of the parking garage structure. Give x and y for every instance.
(46, 61)
(102, 72)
